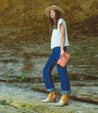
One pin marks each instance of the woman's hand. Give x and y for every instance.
(62, 53)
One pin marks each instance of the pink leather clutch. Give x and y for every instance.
(63, 60)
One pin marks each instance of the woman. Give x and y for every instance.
(59, 41)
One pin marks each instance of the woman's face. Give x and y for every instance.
(52, 14)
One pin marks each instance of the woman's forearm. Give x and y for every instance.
(62, 42)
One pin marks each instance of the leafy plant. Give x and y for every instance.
(7, 77)
(31, 72)
(74, 52)
(14, 84)
(53, 77)
(31, 79)
(22, 77)
(26, 79)
(5, 102)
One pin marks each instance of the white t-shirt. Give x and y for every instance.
(56, 35)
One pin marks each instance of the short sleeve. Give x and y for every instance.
(61, 20)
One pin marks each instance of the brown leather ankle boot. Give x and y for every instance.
(51, 97)
(63, 100)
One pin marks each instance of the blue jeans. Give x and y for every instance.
(62, 72)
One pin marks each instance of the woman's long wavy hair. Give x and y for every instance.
(52, 23)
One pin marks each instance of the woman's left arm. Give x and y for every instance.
(62, 30)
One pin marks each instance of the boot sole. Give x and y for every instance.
(50, 101)
(66, 104)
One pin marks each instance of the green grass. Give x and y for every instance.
(4, 102)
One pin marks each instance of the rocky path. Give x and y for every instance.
(23, 99)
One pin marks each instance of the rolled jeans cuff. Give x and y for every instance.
(52, 89)
(66, 92)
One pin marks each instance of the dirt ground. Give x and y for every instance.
(25, 100)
